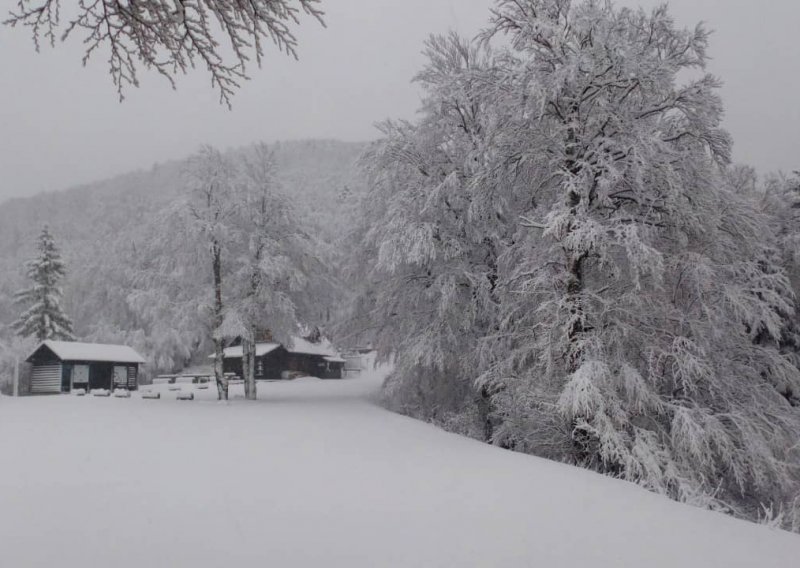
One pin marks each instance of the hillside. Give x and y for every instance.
(106, 231)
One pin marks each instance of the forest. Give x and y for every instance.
(557, 256)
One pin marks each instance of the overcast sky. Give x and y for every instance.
(61, 124)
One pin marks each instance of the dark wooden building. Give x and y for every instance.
(270, 360)
(275, 361)
(61, 366)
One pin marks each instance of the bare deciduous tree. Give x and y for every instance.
(170, 36)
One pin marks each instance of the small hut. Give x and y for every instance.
(270, 360)
(318, 359)
(60, 366)
(274, 360)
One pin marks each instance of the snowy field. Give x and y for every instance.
(314, 474)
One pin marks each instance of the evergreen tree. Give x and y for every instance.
(44, 318)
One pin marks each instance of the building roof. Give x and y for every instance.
(75, 351)
(300, 345)
(236, 351)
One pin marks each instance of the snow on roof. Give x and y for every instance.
(324, 347)
(334, 360)
(75, 351)
(236, 351)
(299, 345)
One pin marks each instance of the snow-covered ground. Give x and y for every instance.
(314, 474)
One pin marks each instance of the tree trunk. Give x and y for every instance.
(16, 378)
(222, 382)
(578, 326)
(219, 375)
(574, 260)
(484, 403)
(249, 368)
(584, 442)
(249, 343)
(247, 355)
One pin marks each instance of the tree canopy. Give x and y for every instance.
(561, 263)
(44, 317)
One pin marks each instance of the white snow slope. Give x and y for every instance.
(314, 474)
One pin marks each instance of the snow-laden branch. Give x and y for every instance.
(170, 36)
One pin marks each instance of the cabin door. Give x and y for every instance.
(100, 375)
(66, 377)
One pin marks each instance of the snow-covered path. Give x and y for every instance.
(314, 474)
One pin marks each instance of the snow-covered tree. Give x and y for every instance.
(265, 274)
(638, 283)
(269, 268)
(211, 207)
(431, 237)
(561, 225)
(170, 37)
(780, 199)
(44, 317)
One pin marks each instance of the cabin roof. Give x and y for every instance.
(298, 345)
(235, 352)
(76, 351)
(323, 348)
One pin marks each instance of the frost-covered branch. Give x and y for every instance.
(170, 36)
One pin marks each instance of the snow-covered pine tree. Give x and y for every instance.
(44, 317)
(637, 291)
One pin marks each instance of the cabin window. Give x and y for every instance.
(80, 375)
(259, 367)
(120, 376)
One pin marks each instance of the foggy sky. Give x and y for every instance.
(61, 124)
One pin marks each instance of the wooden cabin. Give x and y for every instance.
(275, 361)
(61, 366)
(270, 360)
